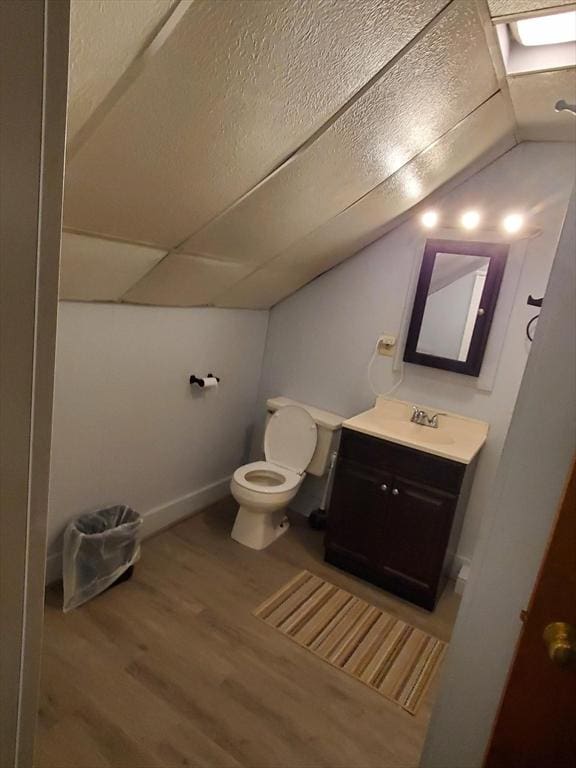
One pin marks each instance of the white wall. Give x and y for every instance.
(536, 459)
(321, 338)
(128, 428)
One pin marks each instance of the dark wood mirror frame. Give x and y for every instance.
(496, 253)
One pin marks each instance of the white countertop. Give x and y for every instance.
(457, 438)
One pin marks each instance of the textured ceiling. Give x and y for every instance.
(94, 269)
(532, 95)
(416, 100)
(235, 90)
(475, 141)
(513, 7)
(105, 38)
(226, 153)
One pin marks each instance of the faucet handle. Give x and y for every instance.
(433, 420)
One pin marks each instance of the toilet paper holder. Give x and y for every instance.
(201, 381)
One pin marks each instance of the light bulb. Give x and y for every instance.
(513, 222)
(470, 219)
(429, 219)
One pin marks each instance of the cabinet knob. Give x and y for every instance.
(395, 492)
(384, 487)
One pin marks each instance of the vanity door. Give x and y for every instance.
(418, 526)
(357, 519)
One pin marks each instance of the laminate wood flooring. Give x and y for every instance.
(172, 669)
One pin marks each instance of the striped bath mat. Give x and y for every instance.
(392, 657)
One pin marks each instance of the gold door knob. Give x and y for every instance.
(560, 639)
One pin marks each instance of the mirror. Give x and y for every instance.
(454, 304)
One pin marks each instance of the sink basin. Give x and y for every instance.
(457, 438)
(409, 431)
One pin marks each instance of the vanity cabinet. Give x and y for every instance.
(392, 513)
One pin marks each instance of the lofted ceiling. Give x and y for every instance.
(227, 153)
(499, 8)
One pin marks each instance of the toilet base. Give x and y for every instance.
(257, 529)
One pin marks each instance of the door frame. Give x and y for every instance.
(34, 39)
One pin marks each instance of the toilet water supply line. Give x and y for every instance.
(369, 373)
(328, 485)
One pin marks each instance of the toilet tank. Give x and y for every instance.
(328, 424)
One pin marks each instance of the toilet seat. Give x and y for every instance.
(289, 444)
(284, 479)
(290, 438)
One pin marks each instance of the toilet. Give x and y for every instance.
(298, 439)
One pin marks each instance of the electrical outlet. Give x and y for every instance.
(386, 344)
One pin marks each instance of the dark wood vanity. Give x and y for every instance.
(395, 514)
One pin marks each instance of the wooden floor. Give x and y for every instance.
(171, 669)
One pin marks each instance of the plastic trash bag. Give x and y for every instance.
(98, 548)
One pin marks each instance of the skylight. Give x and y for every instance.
(547, 30)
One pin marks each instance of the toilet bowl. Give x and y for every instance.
(263, 489)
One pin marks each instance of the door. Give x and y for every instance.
(536, 724)
(417, 530)
(357, 514)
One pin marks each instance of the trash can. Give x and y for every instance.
(99, 548)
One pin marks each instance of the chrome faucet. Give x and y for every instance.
(423, 419)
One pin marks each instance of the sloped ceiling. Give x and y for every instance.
(227, 153)
(512, 7)
(106, 36)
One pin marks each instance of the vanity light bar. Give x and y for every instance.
(470, 219)
(430, 219)
(511, 223)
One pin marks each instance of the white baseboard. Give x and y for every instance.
(459, 570)
(168, 514)
(158, 518)
(53, 567)
(458, 563)
(462, 580)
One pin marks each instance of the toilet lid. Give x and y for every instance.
(290, 439)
